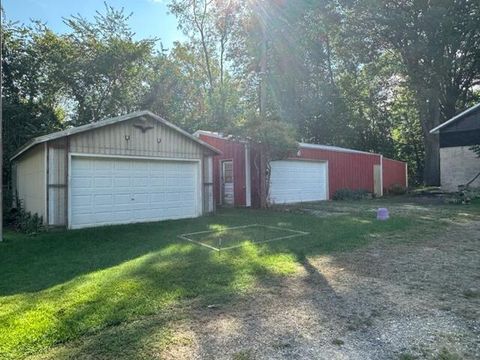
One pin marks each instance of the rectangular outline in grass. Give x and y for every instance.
(297, 233)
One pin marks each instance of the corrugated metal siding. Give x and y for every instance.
(345, 170)
(208, 198)
(57, 182)
(160, 141)
(30, 180)
(394, 172)
(231, 150)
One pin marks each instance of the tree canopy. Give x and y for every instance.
(375, 75)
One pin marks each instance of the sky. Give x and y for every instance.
(150, 17)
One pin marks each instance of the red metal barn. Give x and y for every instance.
(231, 173)
(394, 173)
(315, 173)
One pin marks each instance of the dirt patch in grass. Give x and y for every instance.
(408, 300)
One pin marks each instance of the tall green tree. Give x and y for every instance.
(30, 99)
(209, 26)
(99, 65)
(439, 44)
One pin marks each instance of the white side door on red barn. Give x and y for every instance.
(227, 183)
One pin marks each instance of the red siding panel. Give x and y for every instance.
(394, 172)
(345, 169)
(231, 150)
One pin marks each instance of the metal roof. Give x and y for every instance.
(210, 133)
(300, 144)
(106, 122)
(455, 118)
(333, 148)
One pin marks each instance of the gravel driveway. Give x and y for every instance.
(384, 301)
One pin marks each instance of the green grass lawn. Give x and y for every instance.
(57, 287)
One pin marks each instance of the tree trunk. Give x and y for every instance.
(263, 179)
(262, 103)
(428, 105)
(263, 72)
(431, 171)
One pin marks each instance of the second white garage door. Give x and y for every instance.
(296, 181)
(107, 191)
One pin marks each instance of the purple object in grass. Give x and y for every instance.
(382, 214)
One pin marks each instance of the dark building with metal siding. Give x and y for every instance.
(459, 164)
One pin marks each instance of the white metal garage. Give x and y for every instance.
(133, 168)
(105, 191)
(294, 181)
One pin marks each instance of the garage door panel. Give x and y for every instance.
(82, 210)
(157, 183)
(296, 181)
(82, 182)
(171, 197)
(102, 166)
(82, 200)
(123, 216)
(103, 182)
(121, 208)
(99, 200)
(157, 198)
(84, 219)
(122, 165)
(120, 181)
(113, 191)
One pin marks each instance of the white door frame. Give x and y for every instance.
(222, 181)
(198, 192)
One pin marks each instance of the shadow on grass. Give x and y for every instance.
(30, 264)
(63, 285)
(100, 294)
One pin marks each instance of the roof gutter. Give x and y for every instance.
(436, 130)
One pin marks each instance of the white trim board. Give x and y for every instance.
(45, 218)
(381, 175)
(132, 157)
(455, 118)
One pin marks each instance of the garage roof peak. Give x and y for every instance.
(106, 122)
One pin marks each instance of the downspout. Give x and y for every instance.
(66, 181)
(381, 175)
(47, 176)
(406, 175)
(248, 177)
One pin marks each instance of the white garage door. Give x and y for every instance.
(295, 181)
(117, 191)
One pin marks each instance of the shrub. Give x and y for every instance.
(465, 195)
(23, 221)
(397, 189)
(349, 194)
